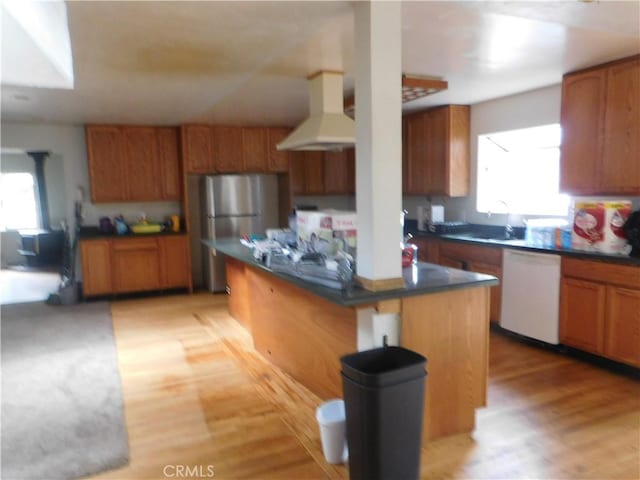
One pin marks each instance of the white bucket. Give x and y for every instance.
(333, 432)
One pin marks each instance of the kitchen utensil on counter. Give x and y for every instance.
(105, 225)
(121, 225)
(409, 252)
(146, 228)
(175, 223)
(437, 213)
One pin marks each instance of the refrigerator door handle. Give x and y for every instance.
(246, 215)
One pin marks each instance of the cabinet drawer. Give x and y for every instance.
(623, 275)
(490, 255)
(122, 245)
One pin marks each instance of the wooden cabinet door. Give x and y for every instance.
(278, 159)
(313, 173)
(620, 169)
(451, 262)
(96, 267)
(197, 149)
(458, 140)
(136, 265)
(405, 157)
(174, 260)
(238, 291)
(428, 249)
(581, 117)
(622, 332)
(142, 165)
(228, 149)
(416, 155)
(106, 158)
(296, 173)
(582, 314)
(254, 149)
(436, 151)
(496, 291)
(169, 163)
(339, 172)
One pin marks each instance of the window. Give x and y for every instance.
(17, 202)
(519, 171)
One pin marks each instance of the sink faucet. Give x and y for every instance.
(508, 229)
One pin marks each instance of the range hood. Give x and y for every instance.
(327, 127)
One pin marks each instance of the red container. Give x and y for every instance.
(409, 255)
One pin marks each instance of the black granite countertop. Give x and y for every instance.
(87, 233)
(468, 237)
(420, 279)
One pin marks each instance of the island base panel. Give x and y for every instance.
(451, 329)
(300, 332)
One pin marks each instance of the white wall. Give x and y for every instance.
(68, 142)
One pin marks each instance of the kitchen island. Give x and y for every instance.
(304, 329)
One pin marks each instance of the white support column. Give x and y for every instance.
(378, 30)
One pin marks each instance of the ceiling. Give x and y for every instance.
(167, 63)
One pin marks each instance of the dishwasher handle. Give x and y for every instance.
(529, 257)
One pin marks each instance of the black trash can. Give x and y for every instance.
(384, 398)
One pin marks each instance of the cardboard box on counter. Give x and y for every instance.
(327, 231)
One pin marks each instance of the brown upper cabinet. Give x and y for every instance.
(255, 157)
(227, 157)
(105, 154)
(223, 149)
(600, 119)
(197, 148)
(437, 152)
(314, 172)
(278, 159)
(340, 172)
(141, 164)
(169, 163)
(323, 173)
(132, 163)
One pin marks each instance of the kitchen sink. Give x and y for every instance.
(484, 237)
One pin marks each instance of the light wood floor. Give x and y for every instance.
(196, 394)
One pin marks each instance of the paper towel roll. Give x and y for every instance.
(598, 225)
(616, 214)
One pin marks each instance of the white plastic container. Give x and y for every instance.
(540, 232)
(333, 431)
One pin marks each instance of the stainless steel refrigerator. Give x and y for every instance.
(234, 206)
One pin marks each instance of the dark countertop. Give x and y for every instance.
(519, 244)
(420, 279)
(88, 233)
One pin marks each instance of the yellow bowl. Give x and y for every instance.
(146, 228)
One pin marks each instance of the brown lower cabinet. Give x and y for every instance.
(478, 259)
(96, 267)
(600, 309)
(123, 265)
(238, 291)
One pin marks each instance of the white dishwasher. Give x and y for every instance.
(531, 294)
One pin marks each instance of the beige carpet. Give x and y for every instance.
(23, 286)
(62, 409)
